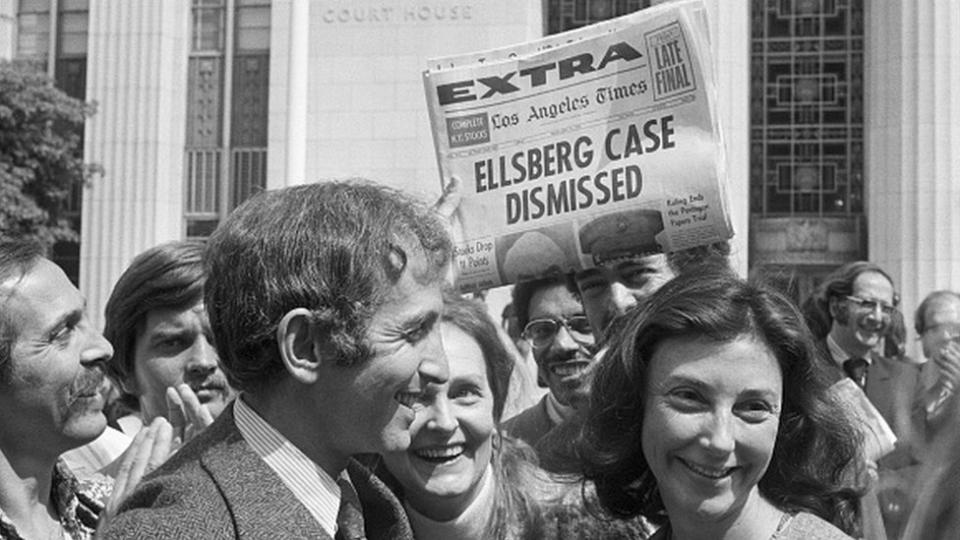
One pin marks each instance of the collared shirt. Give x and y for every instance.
(556, 411)
(310, 484)
(77, 509)
(840, 356)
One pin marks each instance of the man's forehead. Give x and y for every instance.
(873, 285)
(945, 309)
(612, 269)
(40, 295)
(552, 300)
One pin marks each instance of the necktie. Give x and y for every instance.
(856, 369)
(350, 515)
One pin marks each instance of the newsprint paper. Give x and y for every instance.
(582, 147)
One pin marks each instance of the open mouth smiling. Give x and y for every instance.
(439, 454)
(570, 368)
(708, 472)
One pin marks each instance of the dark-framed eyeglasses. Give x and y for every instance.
(872, 305)
(541, 332)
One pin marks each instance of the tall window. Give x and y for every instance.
(227, 97)
(54, 35)
(806, 116)
(563, 15)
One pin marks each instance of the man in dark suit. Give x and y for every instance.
(562, 340)
(853, 312)
(324, 301)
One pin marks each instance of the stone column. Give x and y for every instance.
(912, 71)
(137, 74)
(8, 29)
(730, 37)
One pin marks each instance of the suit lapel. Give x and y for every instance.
(261, 506)
(383, 516)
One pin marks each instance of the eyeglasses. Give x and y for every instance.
(541, 332)
(872, 305)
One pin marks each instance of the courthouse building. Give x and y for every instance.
(841, 124)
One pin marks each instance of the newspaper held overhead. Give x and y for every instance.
(583, 147)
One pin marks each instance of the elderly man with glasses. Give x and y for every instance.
(852, 313)
(555, 325)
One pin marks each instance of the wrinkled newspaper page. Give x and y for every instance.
(878, 438)
(583, 147)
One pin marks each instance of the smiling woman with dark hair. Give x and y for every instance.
(708, 415)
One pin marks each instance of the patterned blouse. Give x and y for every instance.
(78, 504)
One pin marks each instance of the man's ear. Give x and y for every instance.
(296, 342)
(832, 306)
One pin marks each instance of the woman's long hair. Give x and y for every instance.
(816, 448)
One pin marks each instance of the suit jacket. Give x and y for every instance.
(554, 444)
(531, 424)
(893, 387)
(216, 486)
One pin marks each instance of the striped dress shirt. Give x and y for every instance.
(310, 484)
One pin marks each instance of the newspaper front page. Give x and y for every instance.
(583, 147)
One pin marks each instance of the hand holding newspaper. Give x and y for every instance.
(582, 148)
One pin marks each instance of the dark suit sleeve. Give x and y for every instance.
(171, 507)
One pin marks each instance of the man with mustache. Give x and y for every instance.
(325, 301)
(164, 353)
(555, 325)
(51, 369)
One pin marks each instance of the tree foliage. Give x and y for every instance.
(41, 157)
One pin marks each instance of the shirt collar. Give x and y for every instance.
(308, 482)
(839, 355)
(556, 411)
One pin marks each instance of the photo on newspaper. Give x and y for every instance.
(583, 147)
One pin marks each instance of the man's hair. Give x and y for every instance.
(168, 276)
(936, 297)
(838, 284)
(472, 317)
(17, 257)
(335, 248)
(715, 255)
(816, 442)
(523, 293)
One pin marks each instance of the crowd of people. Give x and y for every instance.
(311, 372)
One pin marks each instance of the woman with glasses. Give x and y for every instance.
(461, 478)
(709, 416)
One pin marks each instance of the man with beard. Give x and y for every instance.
(555, 325)
(325, 301)
(51, 369)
